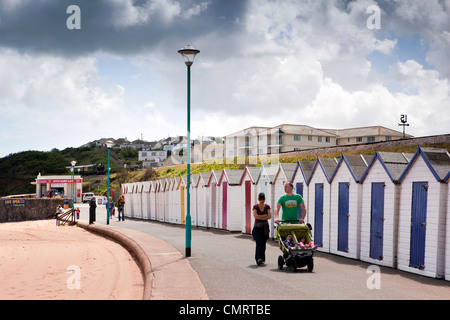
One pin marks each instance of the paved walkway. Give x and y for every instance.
(167, 274)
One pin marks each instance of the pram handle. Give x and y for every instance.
(287, 221)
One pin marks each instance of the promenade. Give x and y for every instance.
(42, 261)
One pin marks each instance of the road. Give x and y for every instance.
(225, 264)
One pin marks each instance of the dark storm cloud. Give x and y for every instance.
(40, 25)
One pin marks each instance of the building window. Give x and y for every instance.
(309, 138)
(358, 139)
(296, 137)
(371, 139)
(327, 139)
(319, 139)
(388, 138)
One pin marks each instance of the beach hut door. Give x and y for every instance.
(318, 214)
(299, 190)
(343, 215)
(224, 204)
(376, 221)
(248, 206)
(418, 224)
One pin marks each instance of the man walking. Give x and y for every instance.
(290, 203)
(92, 207)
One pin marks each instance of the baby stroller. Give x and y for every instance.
(295, 258)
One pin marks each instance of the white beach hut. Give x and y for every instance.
(231, 200)
(146, 187)
(152, 200)
(379, 211)
(214, 199)
(345, 208)
(422, 215)
(203, 199)
(319, 201)
(301, 176)
(264, 184)
(128, 189)
(447, 243)
(250, 197)
(137, 200)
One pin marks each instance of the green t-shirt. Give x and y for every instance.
(290, 206)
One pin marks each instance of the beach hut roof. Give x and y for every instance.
(437, 160)
(212, 178)
(232, 176)
(328, 165)
(356, 164)
(267, 171)
(288, 169)
(252, 172)
(305, 167)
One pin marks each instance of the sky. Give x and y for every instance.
(110, 68)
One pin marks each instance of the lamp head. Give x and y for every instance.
(189, 54)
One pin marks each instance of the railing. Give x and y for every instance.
(67, 217)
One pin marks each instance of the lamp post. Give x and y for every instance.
(189, 54)
(109, 144)
(72, 189)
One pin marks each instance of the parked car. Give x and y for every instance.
(88, 196)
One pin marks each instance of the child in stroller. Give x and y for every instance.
(296, 254)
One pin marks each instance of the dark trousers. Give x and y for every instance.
(260, 237)
(121, 213)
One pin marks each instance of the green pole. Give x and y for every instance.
(107, 201)
(188, 215)
(72, 189)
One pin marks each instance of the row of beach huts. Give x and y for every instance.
(389, 209)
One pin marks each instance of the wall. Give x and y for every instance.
(33, 209)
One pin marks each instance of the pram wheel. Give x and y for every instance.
(294, 265)
(280, 262)
(310, 265)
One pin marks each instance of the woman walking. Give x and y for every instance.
(260, 232)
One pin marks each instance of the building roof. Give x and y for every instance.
(232, 176)
(328, 165)
(252, 172)
(356, 164)
(302, 130)
(366, 131)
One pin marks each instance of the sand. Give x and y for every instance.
(42, 261)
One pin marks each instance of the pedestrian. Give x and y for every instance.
(261, 213)
(110, 205)
(120, 206)
(290, 203)
(92, 207)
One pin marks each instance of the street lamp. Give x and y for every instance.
(109, 144)
(189, 54)
(72, 189)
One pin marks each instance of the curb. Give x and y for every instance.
(129, 243)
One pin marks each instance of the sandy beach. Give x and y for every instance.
(42, 261)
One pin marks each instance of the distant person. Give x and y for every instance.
(92, 207)
(120, 207)
(290, 203)
(260, 232)
(110, 204)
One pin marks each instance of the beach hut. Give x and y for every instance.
(128, 189)
(214, 199)
(146, 200)
(250, 198)
(264, 184)
(152, 200)
(194, 199)
(160, 210)
(447, 244)
(345, 208)
(422, 215)
(137, 200)
(379, 210)
(319, 201)
(179, 213)
(231, 200)
(203, 199)
(301, 175)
